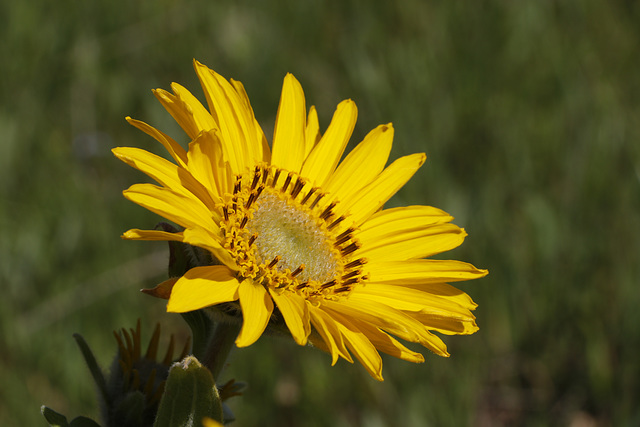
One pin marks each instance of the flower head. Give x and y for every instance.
(297, 234)
(136, 376)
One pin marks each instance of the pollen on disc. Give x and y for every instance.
(294, 235)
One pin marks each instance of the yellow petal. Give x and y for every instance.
(288, 134)
(187, 111)
(373, 196)
(208, 422)
(414, 300)
(379, 315)
(184, 211)
(136, 234)
(446, 325)
(177, 152)
(203, 287)
(178, 111)
(164, 172)
(422, 271)
(384, 245)
(200, 119)
(387, 344)
(328, 330)
(237, 127)
(206, 163)
(257, 307)
(205, 239)
(264, 151)
(360, 346)
(362, 164)
(324, 158)
(435, 344)
(158, 168)
(295, 314)
(401, 324)
(312, 132)
(405, 217)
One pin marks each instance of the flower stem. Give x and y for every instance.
(220, 344)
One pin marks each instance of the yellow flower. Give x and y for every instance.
(299, 235)
(208, 422)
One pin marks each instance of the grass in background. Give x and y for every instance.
(528, 112)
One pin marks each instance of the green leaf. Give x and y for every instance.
(96, 372)
(190, 395)
(83, 422)
(53, 418)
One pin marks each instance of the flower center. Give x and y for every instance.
(284, 230)
(282, 236)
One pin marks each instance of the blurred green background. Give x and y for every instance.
(529, 113)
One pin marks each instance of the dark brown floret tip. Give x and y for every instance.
(336, 222)
(344, 236)
(256, 177)
(356, 263)
(315, 202)
(298, 270)
(352, 274)
(328, 284)
(302, 286)
(297, 187)
(309, 194)
(287, 181)
(275, 261)
(350, 249)
(327, 211)
(275, 178)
